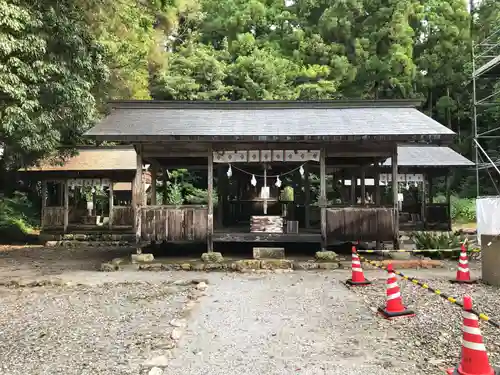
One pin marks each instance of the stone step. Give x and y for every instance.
(80, 243)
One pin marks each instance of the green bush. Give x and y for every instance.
(436, 240)
(463, 210)
(17, 218)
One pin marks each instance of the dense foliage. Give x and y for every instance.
(60, 60)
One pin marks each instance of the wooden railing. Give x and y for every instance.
(360, 223)
(123, 216)
(53, 217)
(174, 223)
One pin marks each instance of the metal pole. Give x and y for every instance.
(487, 157)
(474, 119)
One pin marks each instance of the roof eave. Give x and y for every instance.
(444, 139)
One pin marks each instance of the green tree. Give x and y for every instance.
(51, 69)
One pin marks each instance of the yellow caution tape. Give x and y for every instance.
(450, 299)
(475, 250)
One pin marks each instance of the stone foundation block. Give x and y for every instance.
(272, 264)
(142, 258)
(269, 253)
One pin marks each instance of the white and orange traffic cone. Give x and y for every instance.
(394, 306)
(474, 358)
(463, 272)
(357, 276)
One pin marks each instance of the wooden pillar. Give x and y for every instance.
(363, 185)
(66, 205)
(210, 201)
(353, 188)
(307, 197)
(377, 184)
(220, 195)
(60, 193)
(322, 196)
(154, 176)
(431, 188)
(110, 205)
(423, 213)
(447, 182)
(378, 244)
(44, 201)
(138, 195)
(394, 161)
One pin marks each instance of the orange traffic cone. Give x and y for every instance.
(394, 307)
(474, 359)
(463, 273)
(358, 277)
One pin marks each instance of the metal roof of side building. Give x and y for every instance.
(283, 120)
(111, 158)
(429, 156)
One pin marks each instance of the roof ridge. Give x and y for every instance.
(265, 104)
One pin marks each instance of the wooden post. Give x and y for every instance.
(138, 196)
(210, 201)
(447, 182)
(322, 199)
(353, 189)
(264, 204)
(377, 184)
(431, 188)
(220, 195)
(394, 160)
(363, 185)
(154, 176)
(377, 194)
(423, 212)
(44, 201)
(307, 197)
(110, 203)
(66, 205)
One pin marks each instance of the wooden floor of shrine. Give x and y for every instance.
(243, 234)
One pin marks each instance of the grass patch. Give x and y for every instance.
(17, 220)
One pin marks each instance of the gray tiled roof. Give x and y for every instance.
(429, 156)
(302, 119)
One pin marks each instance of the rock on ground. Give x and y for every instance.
(305, 323)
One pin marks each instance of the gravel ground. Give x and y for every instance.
(433, 336)
(299, 323)
(21, 261)
(269, 324)
(110, 329)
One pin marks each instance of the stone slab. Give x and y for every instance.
(269, 253)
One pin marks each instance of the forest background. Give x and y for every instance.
(61, 60)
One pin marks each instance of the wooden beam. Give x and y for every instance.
(322, 200)
(66, 205)
(137, 196)
(395, 196)
(210, 203)
(110, 205)
(44, 201)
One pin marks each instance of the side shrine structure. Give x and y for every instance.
(286, 171)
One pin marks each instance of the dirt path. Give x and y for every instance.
(303, 323)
